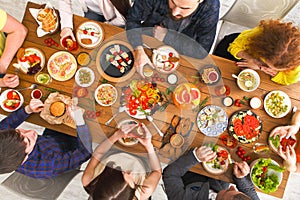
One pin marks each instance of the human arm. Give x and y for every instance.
(16, 33)
(16, 118)
(9, 80)
(242, 180)
(153, 178)
(141, 59)
(66, 19)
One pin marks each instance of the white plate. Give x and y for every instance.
(212, 127)
(121, 141)
(113, 94)
(160, 63)
(208, 166)
(93, 32)
(24, 66)
(62, 66)
(92, 77)
(3, 97)
(286, 101)
(270, 172)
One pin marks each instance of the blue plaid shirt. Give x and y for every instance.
(200, 26)
(47, 159)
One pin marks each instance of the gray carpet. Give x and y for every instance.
(32, 188)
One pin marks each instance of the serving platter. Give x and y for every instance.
(165, 59)
(277, 104)
(115, 61)
(212, 120)
(89, 34)
(62, 66)
(245, 126)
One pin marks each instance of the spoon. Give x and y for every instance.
(32, 86)
(248, 83)
(150, 119)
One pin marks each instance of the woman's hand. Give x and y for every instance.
(241, 169)
(34, 106)
(10, 80)
(289, 158)
(205, 153)
(267, 70)
(65, 32)
(285, 131)
(146, 140)
(250, 63)
(141, 59)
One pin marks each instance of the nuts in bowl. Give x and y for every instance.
(106, 94)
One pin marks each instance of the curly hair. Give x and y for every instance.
(278, 43)
(12, 150)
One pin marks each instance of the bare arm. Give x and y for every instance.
(16, 33)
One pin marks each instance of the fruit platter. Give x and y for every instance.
(89, 34)
(186, 95)
(277, 104)
(276, 142)
(115, 61)
(210, 74)
(141, 98)
(245, 126)
(212, 120)
(11, 100)
(30, 60)
(266, 174)
(62, 66)
(165, 59)
(219, 165)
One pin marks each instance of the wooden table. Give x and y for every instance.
(188, 69)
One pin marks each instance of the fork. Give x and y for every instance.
(150, 119)
(32, 86)
(121, 109)
(231, 161)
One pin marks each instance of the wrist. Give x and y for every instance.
(28, 110)
(150, 148)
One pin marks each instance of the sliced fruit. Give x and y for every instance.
(186, 96)
(195, 93)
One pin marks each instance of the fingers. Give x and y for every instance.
(281, 154)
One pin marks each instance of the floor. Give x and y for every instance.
(75, 190)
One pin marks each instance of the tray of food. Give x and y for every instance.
(115, 61)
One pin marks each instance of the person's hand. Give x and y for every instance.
(76, 112)
(289, 158)
(141, 59)
(65, 32)
(285, 131)
(146, 140)
(205, 153)
(267, 70)
(10, 80)
(118, 135)
(251, 63)
(34, 106)
(241, 169)
(127, 128)
(159, 32)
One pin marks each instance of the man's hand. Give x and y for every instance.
(285, 131)
(34, 106)
(205, 154)
(10, 80)
(241, 169)
(65, 32)
(141, 59)
(159, 32)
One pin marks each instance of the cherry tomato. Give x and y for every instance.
(171, 54)
(132, 112)
(85, 31)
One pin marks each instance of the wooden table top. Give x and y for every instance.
(187, 72)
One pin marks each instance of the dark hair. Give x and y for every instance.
(111, 185)
(278, 43)
(240, 196)
(12, 150)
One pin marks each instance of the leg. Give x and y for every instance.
(221, 49)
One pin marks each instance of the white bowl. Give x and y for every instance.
(254, 78)
(109, 94)
(86, 70)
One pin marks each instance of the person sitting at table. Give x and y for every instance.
(291, 156)
(12, 36)
(181, 184)
(121, 175)
(44, 156)
(109, 11)
(194, 20)
(272, 47)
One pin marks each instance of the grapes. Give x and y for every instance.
(34, 69)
